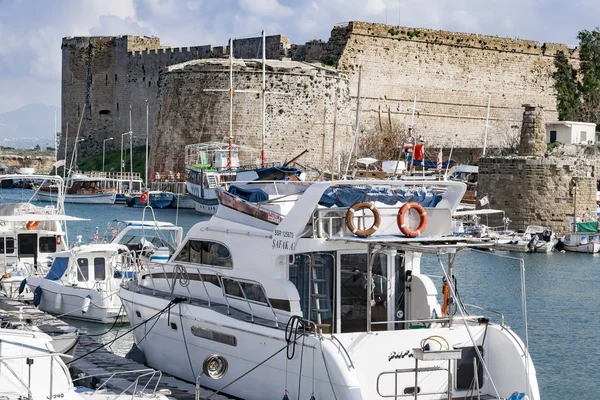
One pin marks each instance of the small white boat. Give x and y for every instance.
(535, 239)
(583, 238)
(31, 368)
(82, 282)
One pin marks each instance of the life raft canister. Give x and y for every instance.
(362, 205)
(401, 219)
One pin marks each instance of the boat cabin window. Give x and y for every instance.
(83, 273)
(205, 252)
(47, 244)
(10, 245)
(99, 268)
(252, 291)
(135, 241)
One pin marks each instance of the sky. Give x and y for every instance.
(31, 30)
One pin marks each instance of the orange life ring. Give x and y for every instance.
(401, 217)
(361, 205)
(32, 225)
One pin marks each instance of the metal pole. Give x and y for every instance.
(66, 139)
(55, 145)
(487, 119)
(333, 139)
(322, 175)
(230, 102)
(451, 298)
(264, 101)
(121, 163)
(369, 286)
(355, 145)
(147, 142)
(130, 160)
(103, 152)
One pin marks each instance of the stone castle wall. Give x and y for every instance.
(297, 97)
(451, 73)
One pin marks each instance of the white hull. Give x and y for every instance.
(593, 247)
(205, 209)
(545, 247)
(99, 198)
(363, 366)
(103, 308)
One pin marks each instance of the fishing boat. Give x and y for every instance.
(535, 239)
(83, 281)
(215, 165)
(81, 189)
(319, 292)
(32, 369)
(583, 238)
(153, 198)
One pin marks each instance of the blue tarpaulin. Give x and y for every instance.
(347, 196)
(59, 266)
(251, 195)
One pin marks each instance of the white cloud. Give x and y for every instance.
(266, 8)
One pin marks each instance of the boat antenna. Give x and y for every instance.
(487, 125)
(264, 102)
(453, 142)
(229, 160)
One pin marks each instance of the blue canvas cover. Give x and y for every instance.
(347, 196)
(251, 195)
(59, 266)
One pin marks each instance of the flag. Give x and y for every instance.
(59, 163)
(484, 200)
(439, 160)
(144, 197)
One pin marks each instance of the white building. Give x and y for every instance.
(570, 132)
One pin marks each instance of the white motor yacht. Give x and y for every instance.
(82, 282)
(326, 298)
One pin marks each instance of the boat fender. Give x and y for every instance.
(57, 302)
(136, 354)
(86, 304)
(37, 296)
(22, 286)
(362, 205)
(401, 219)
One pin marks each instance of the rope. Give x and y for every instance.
(171, 304)
(111, 327)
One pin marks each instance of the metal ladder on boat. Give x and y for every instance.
(213, 182)
(315, 296)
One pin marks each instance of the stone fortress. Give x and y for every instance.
(452, 74)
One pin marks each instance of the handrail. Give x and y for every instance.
(489, 310)
(179, 269)
(29, 393)
(345, 351)
(146, 372)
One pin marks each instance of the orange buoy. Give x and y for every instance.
(401, 219)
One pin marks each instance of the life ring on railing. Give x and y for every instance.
(401, 218)
(32, 225)
(362, 205)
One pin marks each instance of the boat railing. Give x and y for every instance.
(180, 275)
(488, 310)
(148, 373)
(331, 222)
(44, 353)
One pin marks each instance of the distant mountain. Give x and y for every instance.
(29, 125)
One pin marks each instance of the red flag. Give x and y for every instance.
(439, 160)
(144, 197)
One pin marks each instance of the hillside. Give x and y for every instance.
(112, 161)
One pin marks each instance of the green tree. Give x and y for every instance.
(567, 91)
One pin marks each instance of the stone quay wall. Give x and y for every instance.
(539, 190)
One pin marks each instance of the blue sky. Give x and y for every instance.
(31, 30)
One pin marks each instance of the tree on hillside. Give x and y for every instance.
(578, 91)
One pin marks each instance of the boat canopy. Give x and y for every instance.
(588, 227)
(477, 212)
(347, 196)
(252, 195)
(59, 266)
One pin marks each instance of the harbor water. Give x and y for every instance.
(563, 315)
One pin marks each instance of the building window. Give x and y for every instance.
(82, 270)
(48, 244)
(583, 137)
(205, 252)
(99, 268)
(552, 136)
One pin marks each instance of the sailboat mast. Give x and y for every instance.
(264, 101)
(487, 125)
(230, 103)
(147, 140)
